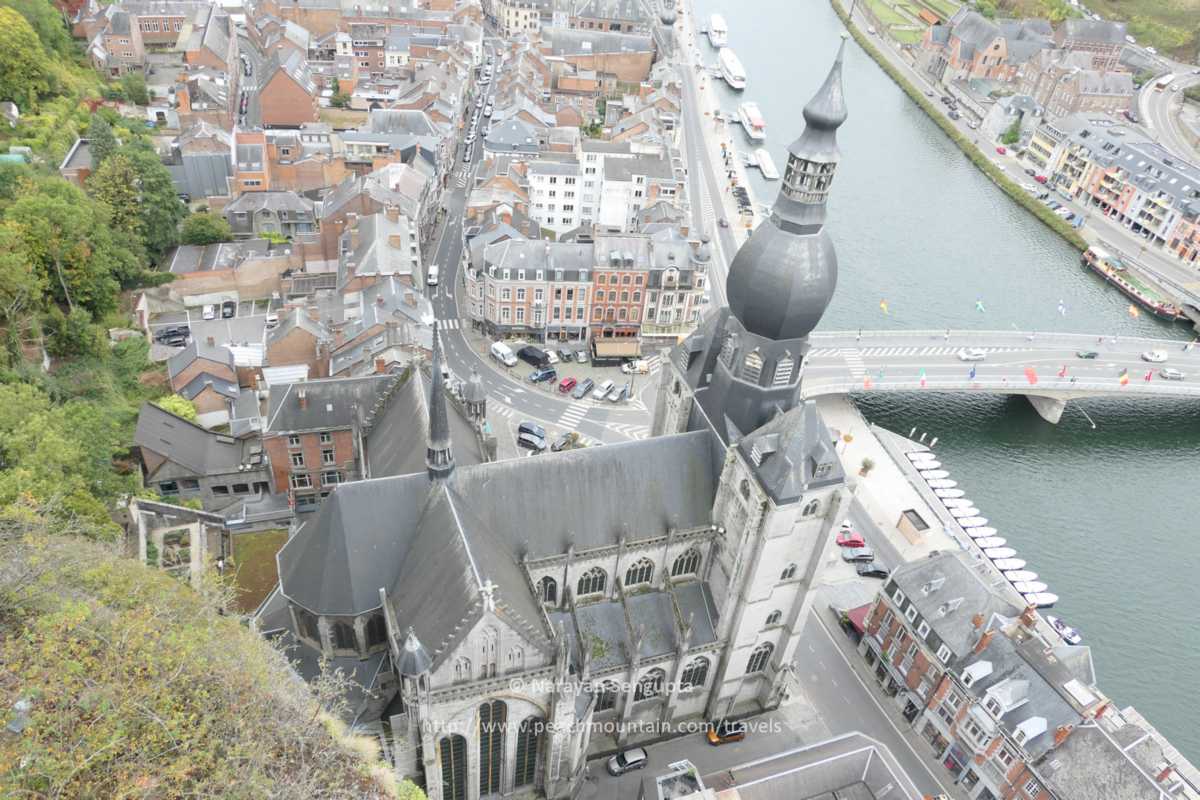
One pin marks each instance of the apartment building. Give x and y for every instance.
(555, 194)
(530, 288)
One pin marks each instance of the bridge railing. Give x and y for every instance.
(814, 387)
(982, 338)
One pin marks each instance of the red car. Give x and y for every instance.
(567, 384)
(1040, 178)
(1001, 150)
(850, 538)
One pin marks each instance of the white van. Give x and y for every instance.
(431, 275)
(504, 354)
(209, 311)
(602, 389)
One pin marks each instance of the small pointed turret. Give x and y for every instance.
(439, 461)
(414, 659)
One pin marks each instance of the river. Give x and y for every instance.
(1102, 515)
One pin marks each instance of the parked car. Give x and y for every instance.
(1040, 178)
(1030, 171)
(467, 156)
(566, 355)
(1054, 205)
(272, 321)
(209, 312)
(504, 354)
(726, 731)
(871, 569)
(172, 331)
(542, 374)
(228, 309)
(567, 384)
(1087, 354)
(551, 356)
(972, 354)
(532, 428)
(530, 442)
(1001, 149)
(1155, 356)
(724, 223)
(627, 761)
(178, 340)
(617, 393)
(848, 537)
(973, 126)
(638, 365)
(602, 390)
(581, 356)
(533, 356)
(1171, 374)
(853, 554)
(581, 391)
(954, 114)
(1132, 116)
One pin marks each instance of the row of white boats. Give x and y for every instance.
(988, 540)
(749, 114)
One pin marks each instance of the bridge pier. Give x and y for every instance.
(1048, 408)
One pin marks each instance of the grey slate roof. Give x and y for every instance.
(297, 318)
(574, 41)
(1091, 764)
(1092, 30)
(281, 202)
(950, 606)
(201, 452)
(198, 348)
(786, 451)
(329, 403)
(360, 538)
(222, 387)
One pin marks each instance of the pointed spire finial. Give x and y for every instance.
(439, 461)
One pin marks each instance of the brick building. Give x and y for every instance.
(288, 97)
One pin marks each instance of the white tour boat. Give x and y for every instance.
(752, 121)
(731, 68)
(718, 31)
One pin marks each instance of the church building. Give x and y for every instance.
(497, 620)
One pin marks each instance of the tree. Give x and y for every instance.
(24, 69)
(72, 334)
(161, 210)
(178, 405)
(46, 22)
(21, 287)
(339, 99)
(103, 141)
(133, 86)
(114, 185)
(205, 228)
(1013, 134)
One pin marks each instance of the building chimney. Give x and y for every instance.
(395, 241)
(210, 341)
(984, 641)
(1061, 733)
(380, 366)
(302, 398)
(977, 620)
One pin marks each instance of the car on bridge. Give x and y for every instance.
(1087, 354)
(1171, 374)
(1155, 356)
(972, 354)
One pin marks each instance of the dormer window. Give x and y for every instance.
(752, 369)
(994, 707)
(783, 371)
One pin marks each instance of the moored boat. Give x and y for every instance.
(731, 68)
(1029, 587)
(931, 474)
(964, 511)
(718, 31)
(1109, 265)
(991, 541)
(750, 115)
(949, 492)
(972, 522)
(942, 483)
(766, 165)
(1068, 634)
(1020, 575)
(980, 531)
(1008, 563)
(1041, 599)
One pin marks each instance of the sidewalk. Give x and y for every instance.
(824, 616)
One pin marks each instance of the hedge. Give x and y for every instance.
(977, 157)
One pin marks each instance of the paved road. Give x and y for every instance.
(250, 83)
(896, 360)
(1160, 114)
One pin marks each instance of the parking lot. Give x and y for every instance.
(245, 326)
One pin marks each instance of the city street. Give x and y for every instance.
(1159, 110)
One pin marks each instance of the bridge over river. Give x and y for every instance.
(1045, 367)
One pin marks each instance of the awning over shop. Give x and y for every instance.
(858, 617)
(619, 347)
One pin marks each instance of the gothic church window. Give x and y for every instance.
(695, 673)
(376, 630)
(744, 488)
(548, 590)
(529, 738)
(650, 685)
(687, 564)
(788, 573)
(493, 718)
(774, 617)
(487, 652)
(606, 696)
(462, 669)
(516, 659)
(760, 657)
(343, 636)
(812, 508)
(592, 582)
(308, 625)
(452, 753)
(641, 571)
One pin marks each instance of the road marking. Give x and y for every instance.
(449, 324)
(574, 414)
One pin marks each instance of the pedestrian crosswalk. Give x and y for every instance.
(629, 430)
(502, 410)
(654, 363)
(574, 414)
(877, 352)
(854, 361)
(464, 178)
(455, 324)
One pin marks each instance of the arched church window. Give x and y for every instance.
(376, 630)
(343, 636)
(606, 696)
(744, 488)
(641, 571)
(695, 673)
(811, 508)
(774, 617)
(688, 563)
(592, 582)
(788, 573)
(651, 685)
(462, 669)
(548, 590)
(760, 657)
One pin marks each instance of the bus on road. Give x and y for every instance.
(1164, 81)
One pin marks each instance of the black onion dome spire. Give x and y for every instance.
(783, 277)
(438, 459)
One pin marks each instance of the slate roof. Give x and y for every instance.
(227, 389)
(1094, 30)
(1091, 764)
(297, 319)
(360, 537)
(626, 10)
(198, 348)
(573, 41)
(950, 619)
(786, 451)
(281, 202)
(329, 403)
(200, 451)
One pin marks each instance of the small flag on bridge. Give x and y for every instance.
(867, 382)
(1030, 375)
(922, 377)
(979, 305)
(1133, 311)
(1149, 375)
(1062, 373)
(883, 306)
(971, 374)
(1124, 377)
(1062, 308)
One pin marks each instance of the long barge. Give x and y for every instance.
(1113, 270)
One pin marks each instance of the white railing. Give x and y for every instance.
(1033, 340)
(1054, 387)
